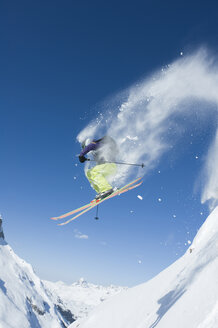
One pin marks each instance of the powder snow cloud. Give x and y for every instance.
(148, 118)
(210, 191)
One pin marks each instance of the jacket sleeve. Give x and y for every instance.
(87, 149)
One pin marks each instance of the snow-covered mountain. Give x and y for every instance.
(28, 302)
(81, 297)
(24, 301)
(185, 295)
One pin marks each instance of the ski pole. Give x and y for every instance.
(142, 165)
(96, 217)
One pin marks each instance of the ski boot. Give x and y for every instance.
(104, 194)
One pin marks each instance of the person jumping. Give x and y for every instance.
(104, 153)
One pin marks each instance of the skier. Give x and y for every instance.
(104, 152)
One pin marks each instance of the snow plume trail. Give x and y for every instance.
(210, 191)
(148, 118)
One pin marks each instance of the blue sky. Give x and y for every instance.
(60, 60)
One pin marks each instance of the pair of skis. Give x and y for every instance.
(85, 208)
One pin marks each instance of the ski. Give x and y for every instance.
(89, 204)
(71, 212)
(116, 193)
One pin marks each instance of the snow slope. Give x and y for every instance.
(183, 295)
(28, 302)
(23, 299)
(80, 297)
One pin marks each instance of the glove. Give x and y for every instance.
(82, 159)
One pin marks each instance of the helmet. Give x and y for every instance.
(85, 143)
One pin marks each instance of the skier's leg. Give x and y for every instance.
(97, 175)
(89, 176)
(97, 180)
(108, 169)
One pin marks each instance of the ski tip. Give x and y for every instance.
(54, 218)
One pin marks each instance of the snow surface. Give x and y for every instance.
(23, 298)
(185, 295)
(80, 297)
(28, 302)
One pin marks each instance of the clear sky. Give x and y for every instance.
(60, 60)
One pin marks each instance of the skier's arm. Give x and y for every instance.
(86, 150)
